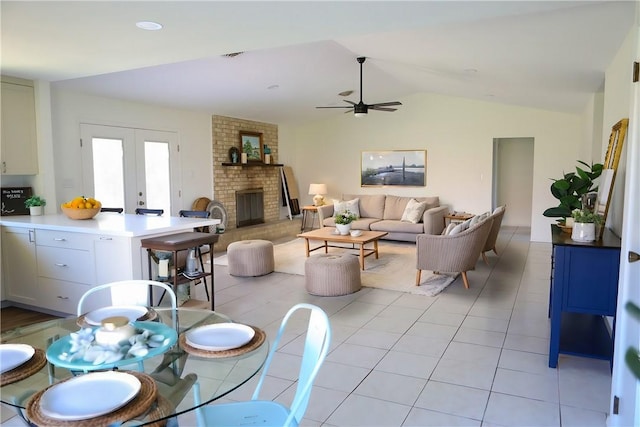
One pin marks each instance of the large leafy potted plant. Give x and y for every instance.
(570, 188)
(35, 204)
(343, 221)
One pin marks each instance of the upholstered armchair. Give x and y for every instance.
(490, 244)
(453, 253)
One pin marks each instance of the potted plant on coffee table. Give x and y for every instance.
(584, 225)
(35, 204)
(343, 221)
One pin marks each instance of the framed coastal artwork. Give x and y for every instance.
(251, 145)
(406, 168)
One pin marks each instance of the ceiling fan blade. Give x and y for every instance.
(346, 106)
(350, 102)
(385, 104)
(373, 107)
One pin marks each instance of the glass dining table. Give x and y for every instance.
(174, 371)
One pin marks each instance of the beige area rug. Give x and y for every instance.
(395, 269)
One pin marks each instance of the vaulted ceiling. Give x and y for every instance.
(297, 55)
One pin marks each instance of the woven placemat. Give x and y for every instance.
(256, 341)
(151, 315)
(136, 407)
(162, 408)
(30, 367)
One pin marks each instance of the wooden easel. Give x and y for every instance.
(610, 167)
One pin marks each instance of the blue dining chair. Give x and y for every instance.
(270, 413)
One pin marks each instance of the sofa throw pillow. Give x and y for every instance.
(350, 205)
(413, 211)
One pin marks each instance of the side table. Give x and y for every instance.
(457, 217)
(178, 242)
(306, 210)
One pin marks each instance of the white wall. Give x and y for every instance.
(194, 129)
(458, 135)
(617, 104)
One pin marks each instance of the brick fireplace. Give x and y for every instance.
(228, 180)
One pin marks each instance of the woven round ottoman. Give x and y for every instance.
(332, 275)
(250, 258)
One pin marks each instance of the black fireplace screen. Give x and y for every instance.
(249, 207)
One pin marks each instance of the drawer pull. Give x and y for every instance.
(106, 238)
(59, 239)
(61, 297)
(59, 264)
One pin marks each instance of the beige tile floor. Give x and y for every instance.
(474, 357)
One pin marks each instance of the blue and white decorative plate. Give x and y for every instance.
(78, 351)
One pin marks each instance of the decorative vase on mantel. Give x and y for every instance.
(343, 229)
(583, 232)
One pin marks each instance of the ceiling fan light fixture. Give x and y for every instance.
(360, 110)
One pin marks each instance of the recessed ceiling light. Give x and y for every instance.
(149, 25)
(346, 93)
(470, 70)
(272, 87)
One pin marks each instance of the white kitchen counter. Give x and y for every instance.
(108, 223)
(50, 261)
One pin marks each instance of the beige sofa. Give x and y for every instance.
(382, 212)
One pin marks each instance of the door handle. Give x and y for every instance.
(633, 256)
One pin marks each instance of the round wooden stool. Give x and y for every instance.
(332, 275)
(250, 258)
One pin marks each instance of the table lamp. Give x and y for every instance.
(318, 190)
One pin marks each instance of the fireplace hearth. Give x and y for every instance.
(249, 207)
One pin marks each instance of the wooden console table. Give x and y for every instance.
(583, 290)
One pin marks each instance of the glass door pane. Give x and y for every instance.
(108, 171)
(157, 175)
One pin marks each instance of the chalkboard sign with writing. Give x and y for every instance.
(13, 200)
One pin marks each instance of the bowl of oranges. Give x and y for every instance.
(81, 208)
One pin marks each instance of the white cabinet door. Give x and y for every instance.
(112, 259)
(19, 144)
(19, 264)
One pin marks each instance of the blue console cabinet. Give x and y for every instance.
(584, 289)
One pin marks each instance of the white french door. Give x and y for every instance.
(131, 168)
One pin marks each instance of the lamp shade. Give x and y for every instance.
(317, 189)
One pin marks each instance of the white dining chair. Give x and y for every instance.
(270, 413)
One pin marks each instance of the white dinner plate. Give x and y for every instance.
(220, 336)
(14, 355)
(89, 395)
(132, 312)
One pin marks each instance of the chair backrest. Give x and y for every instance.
(146, 211)
(130, 292)
(116, 210)
(497, 216)
(196, 214)
(316, 347)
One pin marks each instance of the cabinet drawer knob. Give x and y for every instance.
(59, 239)
(59, 264)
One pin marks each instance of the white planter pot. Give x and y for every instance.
(343, 229)
(36, 210)
(583, 232)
